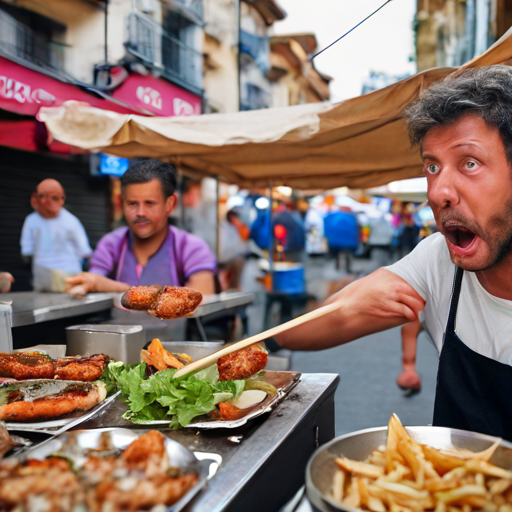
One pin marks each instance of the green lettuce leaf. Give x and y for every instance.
(210, 374)
(162, 397)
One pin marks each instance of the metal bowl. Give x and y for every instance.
(359, 445)
(75, 444)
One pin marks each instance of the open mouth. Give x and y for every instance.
(459, 236)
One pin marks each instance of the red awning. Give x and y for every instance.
(24, 91)
(158, 96)
(31, 135)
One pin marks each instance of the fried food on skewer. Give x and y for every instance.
(175, 302)
(166, 303)
(140, 298)
(243, 363)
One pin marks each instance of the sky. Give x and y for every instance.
(384, 43)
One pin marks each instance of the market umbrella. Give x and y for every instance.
(358, 143)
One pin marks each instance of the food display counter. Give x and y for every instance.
(263, 463)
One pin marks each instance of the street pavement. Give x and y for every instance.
(367, 394)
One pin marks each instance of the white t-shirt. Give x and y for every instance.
(59, 243)
(483, 322)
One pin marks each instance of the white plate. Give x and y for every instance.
(60, 425)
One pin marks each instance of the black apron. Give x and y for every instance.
(473, 391)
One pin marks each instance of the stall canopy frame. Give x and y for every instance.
(358, 143)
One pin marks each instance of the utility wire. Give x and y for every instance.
(353, 28)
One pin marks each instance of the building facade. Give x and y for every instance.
(130, 56)
(451, 32)
(145, 57)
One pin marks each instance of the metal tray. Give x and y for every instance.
(195, 349)
(359, 445)
(284, 382)
(60, 425)
(75, 444)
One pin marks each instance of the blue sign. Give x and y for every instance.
(113, 165)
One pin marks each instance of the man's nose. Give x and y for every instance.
(442, 189)
(141, 210)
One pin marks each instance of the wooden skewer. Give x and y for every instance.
(204, 362)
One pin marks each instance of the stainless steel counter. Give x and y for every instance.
(264, 463)
(33, 307)
(222, 301)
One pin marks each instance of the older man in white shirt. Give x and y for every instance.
(54, 238)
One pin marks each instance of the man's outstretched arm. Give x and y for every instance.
(375, 303)
(86, 282)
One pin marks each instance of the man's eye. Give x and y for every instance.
(432, 168)
(471, 165)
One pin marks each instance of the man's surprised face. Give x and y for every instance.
(470, 191)
(146, 209)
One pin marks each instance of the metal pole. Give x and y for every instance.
(106, 31)
(218, 220)
(239, 55)
(181, 188)
(271, 238)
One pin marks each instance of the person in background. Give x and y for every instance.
(148, 251)
(6, 281)
(409, 379)
(409, 236)
(53, 238)
(233, 249)
(342, 233)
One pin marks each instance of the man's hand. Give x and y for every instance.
(375, 303)
(86, 282)
(6, 280)
(381, 295)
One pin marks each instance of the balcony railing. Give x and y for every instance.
(148, 41)
(257, 47)
(19, 41)
(193, 9)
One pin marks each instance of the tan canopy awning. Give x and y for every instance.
(359, 143)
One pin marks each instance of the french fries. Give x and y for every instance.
(406, 476)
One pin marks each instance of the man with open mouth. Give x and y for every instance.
(462, 276)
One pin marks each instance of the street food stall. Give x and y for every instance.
(226, 452)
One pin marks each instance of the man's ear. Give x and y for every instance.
(171, 203)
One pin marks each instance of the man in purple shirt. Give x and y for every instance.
(148, 251)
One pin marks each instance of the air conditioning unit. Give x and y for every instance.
(147, 6)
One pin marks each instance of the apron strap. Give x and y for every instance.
(457, 284)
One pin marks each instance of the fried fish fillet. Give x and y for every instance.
(46, 399)
(23, 366)
(243, 363)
